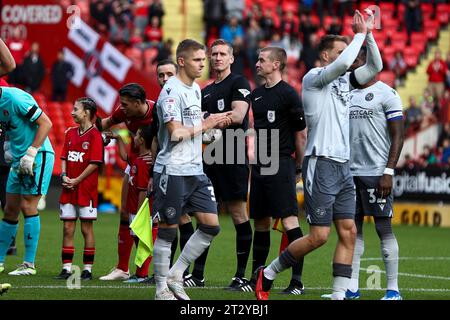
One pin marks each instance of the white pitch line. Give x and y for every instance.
(408, 258)
(217, 288)
(412, 275)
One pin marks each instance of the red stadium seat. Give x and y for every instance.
(135, 55)
(427, 9)
(443, 13)
(431, 28)
(388, 77)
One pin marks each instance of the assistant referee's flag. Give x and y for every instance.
(142, 227)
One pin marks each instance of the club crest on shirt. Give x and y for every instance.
(133, 170)
(5, 113)
(85, 145)
(220, 104)
(168, 90)
(271, 116)
(369, 96)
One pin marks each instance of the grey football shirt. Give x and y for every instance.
(179, 102)
(325, 92)
(370, 109)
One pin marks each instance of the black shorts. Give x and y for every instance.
(367, 201)
(274, 195)
(177, 195)
(230, 181)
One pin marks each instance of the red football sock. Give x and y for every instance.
(124, 247)
(67, 254)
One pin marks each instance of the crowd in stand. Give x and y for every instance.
(138, 24)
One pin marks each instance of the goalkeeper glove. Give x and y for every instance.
(8, 155)
(27, 161)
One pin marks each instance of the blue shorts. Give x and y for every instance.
(32, 185)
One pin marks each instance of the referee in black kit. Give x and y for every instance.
(279, 123)
(229, 93)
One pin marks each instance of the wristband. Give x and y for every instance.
(63, 174)
(388, 171)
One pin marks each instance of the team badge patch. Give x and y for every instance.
(220, 104)
(5, 113)
(168, 90)
(369, 96)
(170, 212)
(244, 92)
(271, 116)
(85, 145)
(133, 170)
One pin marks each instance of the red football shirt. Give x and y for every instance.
(133, 124)
(3, 83)
(79, 151)
(138, 182)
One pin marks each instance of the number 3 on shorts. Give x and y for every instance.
(213, 197)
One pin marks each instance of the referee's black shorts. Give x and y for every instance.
(230, 181)
(274, 195)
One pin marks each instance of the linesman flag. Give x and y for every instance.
(142, 227)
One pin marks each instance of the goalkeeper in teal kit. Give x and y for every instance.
(32, 158)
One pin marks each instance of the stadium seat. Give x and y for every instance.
(443, 13)
(135, 55)
(427, 9)
(431, 28)
(388, 77)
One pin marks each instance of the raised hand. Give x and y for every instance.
(359, 24)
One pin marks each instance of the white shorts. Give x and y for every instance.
(69, 212)
(127, 170)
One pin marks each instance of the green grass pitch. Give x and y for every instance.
(424, 266)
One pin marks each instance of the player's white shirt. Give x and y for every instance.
(370, 110)
(326, 115)
(179, 102)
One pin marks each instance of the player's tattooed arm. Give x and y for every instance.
(7, 63)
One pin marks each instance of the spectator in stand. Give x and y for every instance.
(428, 157)
(445, 134)
(62, 72)
(214, 12)
(235, 8)
(310, 53)
(335, 26)
(18, 46)
(164, 51)
(136, 39)
(276, 41)
(413, 17)
(153, 33)
(409, 163)
(33, 69)
(328, 4)
(254, 13)
(345, 7)
(238, 66)
(437, 73)
(294, 49)
(399, 67)
(268, 24)
(445, 152)
(120, 25)
(413, 116)
(232, 30)
(429, 107)
(253, 36)
(100, 12)
(444, 105)
(156, 10)
(288, 26)
(307, 27)
(141, 12)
